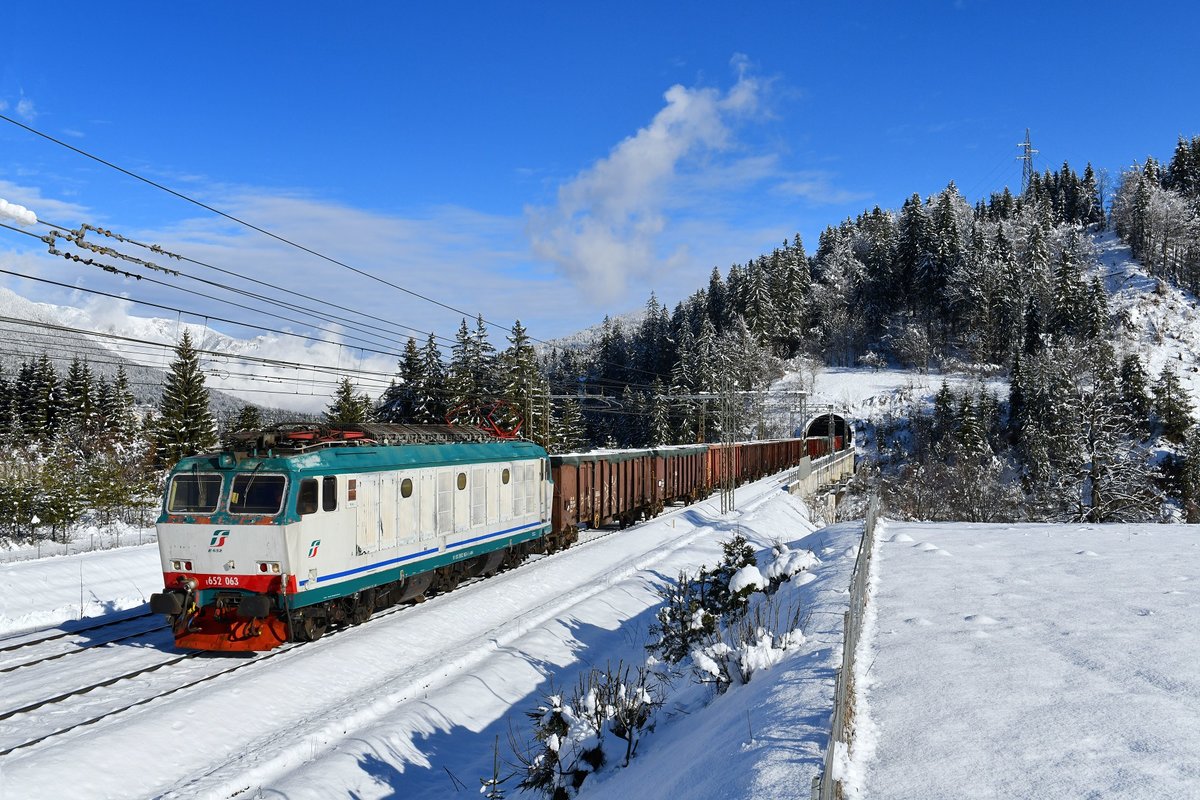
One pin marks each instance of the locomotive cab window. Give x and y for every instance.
(462, 481)
(505, 476)
(256, 493)
(406, 488)
(329, 493)
(194, 493)
(306, 501)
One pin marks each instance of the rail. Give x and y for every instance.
(827, 785)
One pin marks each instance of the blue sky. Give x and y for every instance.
(551, 162)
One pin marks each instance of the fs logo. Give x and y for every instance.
(218, 541)
(312, 548)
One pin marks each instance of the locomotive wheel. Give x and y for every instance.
(451, 578)
(313, 628)
(364, 607)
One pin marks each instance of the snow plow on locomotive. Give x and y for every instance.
(302, 527)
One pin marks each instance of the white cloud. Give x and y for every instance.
(609, 219)
(25, 109)
(817, 188)
(46, 208)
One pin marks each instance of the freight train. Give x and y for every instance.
(291, 530)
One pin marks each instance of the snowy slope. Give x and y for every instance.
(1158, 321)
(294, 388)
(398, 706)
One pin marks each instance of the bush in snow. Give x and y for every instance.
(785, 563)
(723, 598)
(600, 723)
(683, 621)
(693, 606)
(755, 641)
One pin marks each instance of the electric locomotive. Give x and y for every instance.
(296, 528)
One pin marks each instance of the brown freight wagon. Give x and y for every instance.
(622, 486)
(754, 460)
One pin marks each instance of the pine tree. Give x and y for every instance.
(658, 406)
(463, 394)
(429, 404)
(522, 384)
(1134, 391)
(348, 407)
(569, 433)
(1171, 407)
(186, 426)
(249, 418)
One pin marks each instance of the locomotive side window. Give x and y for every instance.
(462, 481)
(306, 501)
(352, 490)
(531, 488)
(445, 502)
(478, 496)
(329, 493)
(256, 493)
(406, 488)
(504, 476)
(194, 493)
(519, 491)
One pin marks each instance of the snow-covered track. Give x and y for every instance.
(24, 648)
(20, 641)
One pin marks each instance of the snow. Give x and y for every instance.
(1157, 321)
(49, 591)
(399, 705)
(749, 575)
(1034, 661)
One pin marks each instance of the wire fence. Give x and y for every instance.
(80, 542)
(826, 786)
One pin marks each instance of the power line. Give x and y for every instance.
(215, 353)
(195, 314)
(249, 225)
(270, 234)
(265, 284)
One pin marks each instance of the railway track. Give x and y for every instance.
(81, 647)
(7, 643)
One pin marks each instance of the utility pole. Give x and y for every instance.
(1026, 157)
(728, 437)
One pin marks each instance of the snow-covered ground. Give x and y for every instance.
(1033, 661)
(48, 591)
(413, 702)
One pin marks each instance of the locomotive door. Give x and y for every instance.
(506, 492)
(428, 504)
(462, 502)
(368, 514)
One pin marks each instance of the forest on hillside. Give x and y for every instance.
(1003, 287)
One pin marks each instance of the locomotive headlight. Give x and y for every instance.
(275, 568)
(175, 565)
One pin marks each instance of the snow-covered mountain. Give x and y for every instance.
(268, 370)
